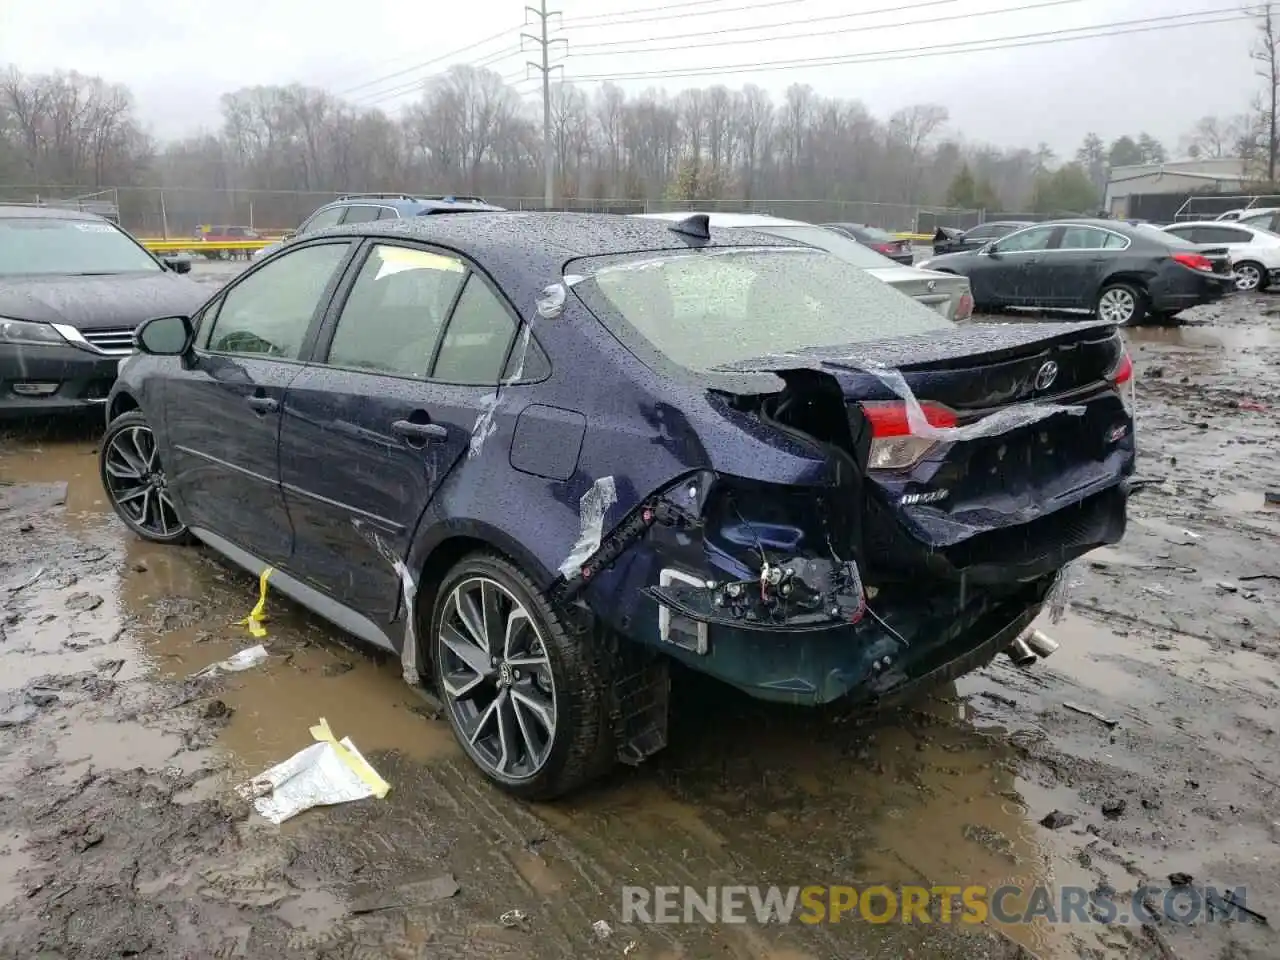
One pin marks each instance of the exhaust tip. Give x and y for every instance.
(1021, 653)
(1040, 643)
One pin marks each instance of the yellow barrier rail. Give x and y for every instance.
(203, 246)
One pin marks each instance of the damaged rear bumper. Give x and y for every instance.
(874, 661)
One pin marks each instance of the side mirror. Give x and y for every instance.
(164, 336)
(178, 263)
(990, 250)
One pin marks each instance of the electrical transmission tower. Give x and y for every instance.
(543, 41)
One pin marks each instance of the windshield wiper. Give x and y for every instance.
(94, 273)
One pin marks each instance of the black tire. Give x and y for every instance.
(1111, 296)
(140, 500)
(581, 747)
(1252, 275)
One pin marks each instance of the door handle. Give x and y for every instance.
(263, 405)
(425, 432)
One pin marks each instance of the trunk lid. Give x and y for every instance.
(937, 291)
(1031, 475)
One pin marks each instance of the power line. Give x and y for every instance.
(428, 63)
(741, 8)
(1024, 8)
(897, 8)
(628, 13)
(370, 100)
(915, 53)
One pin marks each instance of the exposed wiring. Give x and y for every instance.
(585, 22)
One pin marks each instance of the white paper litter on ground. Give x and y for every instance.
(245, 659)
(325, 773)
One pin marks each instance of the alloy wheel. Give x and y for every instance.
(1117, 305)
(1248, 277)
(496, 675)
(137, 484)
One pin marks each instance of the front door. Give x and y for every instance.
(414, 357)
(1010, 274)
(222, 408)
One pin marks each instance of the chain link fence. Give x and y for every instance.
(178, 212)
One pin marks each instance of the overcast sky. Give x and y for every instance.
(178, 56)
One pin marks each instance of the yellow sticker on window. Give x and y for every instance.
(398, 259)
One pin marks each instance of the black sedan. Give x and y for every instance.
(73, 287)
(881, 241)
(948, 240)
(540, 455)
(1124, 273)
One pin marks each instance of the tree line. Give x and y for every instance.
(470, 132)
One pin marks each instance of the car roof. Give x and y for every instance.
(720, 219)
(1250, 211)
(1004, 223)
(543, 240)
(33, 212)
(1209, 223)
(414, 205)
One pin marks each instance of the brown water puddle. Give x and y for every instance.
(308, 675)
(57, 460)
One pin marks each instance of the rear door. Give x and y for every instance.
(1076, 267)
(222, 408)
(410, 359)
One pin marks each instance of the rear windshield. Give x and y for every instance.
(1163, 236)
(850, 251)
(69, 248)
(704, 309)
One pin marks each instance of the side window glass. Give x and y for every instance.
(395, 311)
(388, 213)
(479, 335)
(323, 219)
(360, 214)
(268, 313)
(1082, 238)
(1114, 241)
(1034, 239)
(980, 233)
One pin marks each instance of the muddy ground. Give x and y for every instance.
(121, 834)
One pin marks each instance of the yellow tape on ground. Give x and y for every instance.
(357, 765)
(258, 615)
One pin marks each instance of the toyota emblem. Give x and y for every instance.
(1045, 376)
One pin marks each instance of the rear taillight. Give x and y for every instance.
(893, 446)
(964, 309)
(1122, 377)
(1194, 261)
(885, 247)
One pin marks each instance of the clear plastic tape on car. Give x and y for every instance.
(592, 509)
(548, 305)
(409, 588)
(1002, 421)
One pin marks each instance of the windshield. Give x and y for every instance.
(850, 251)
(702, 310)
(69, 248)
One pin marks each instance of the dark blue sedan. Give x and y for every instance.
(539, 456)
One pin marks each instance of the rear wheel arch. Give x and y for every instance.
(434, 558)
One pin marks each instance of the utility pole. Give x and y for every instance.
(544, 41)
